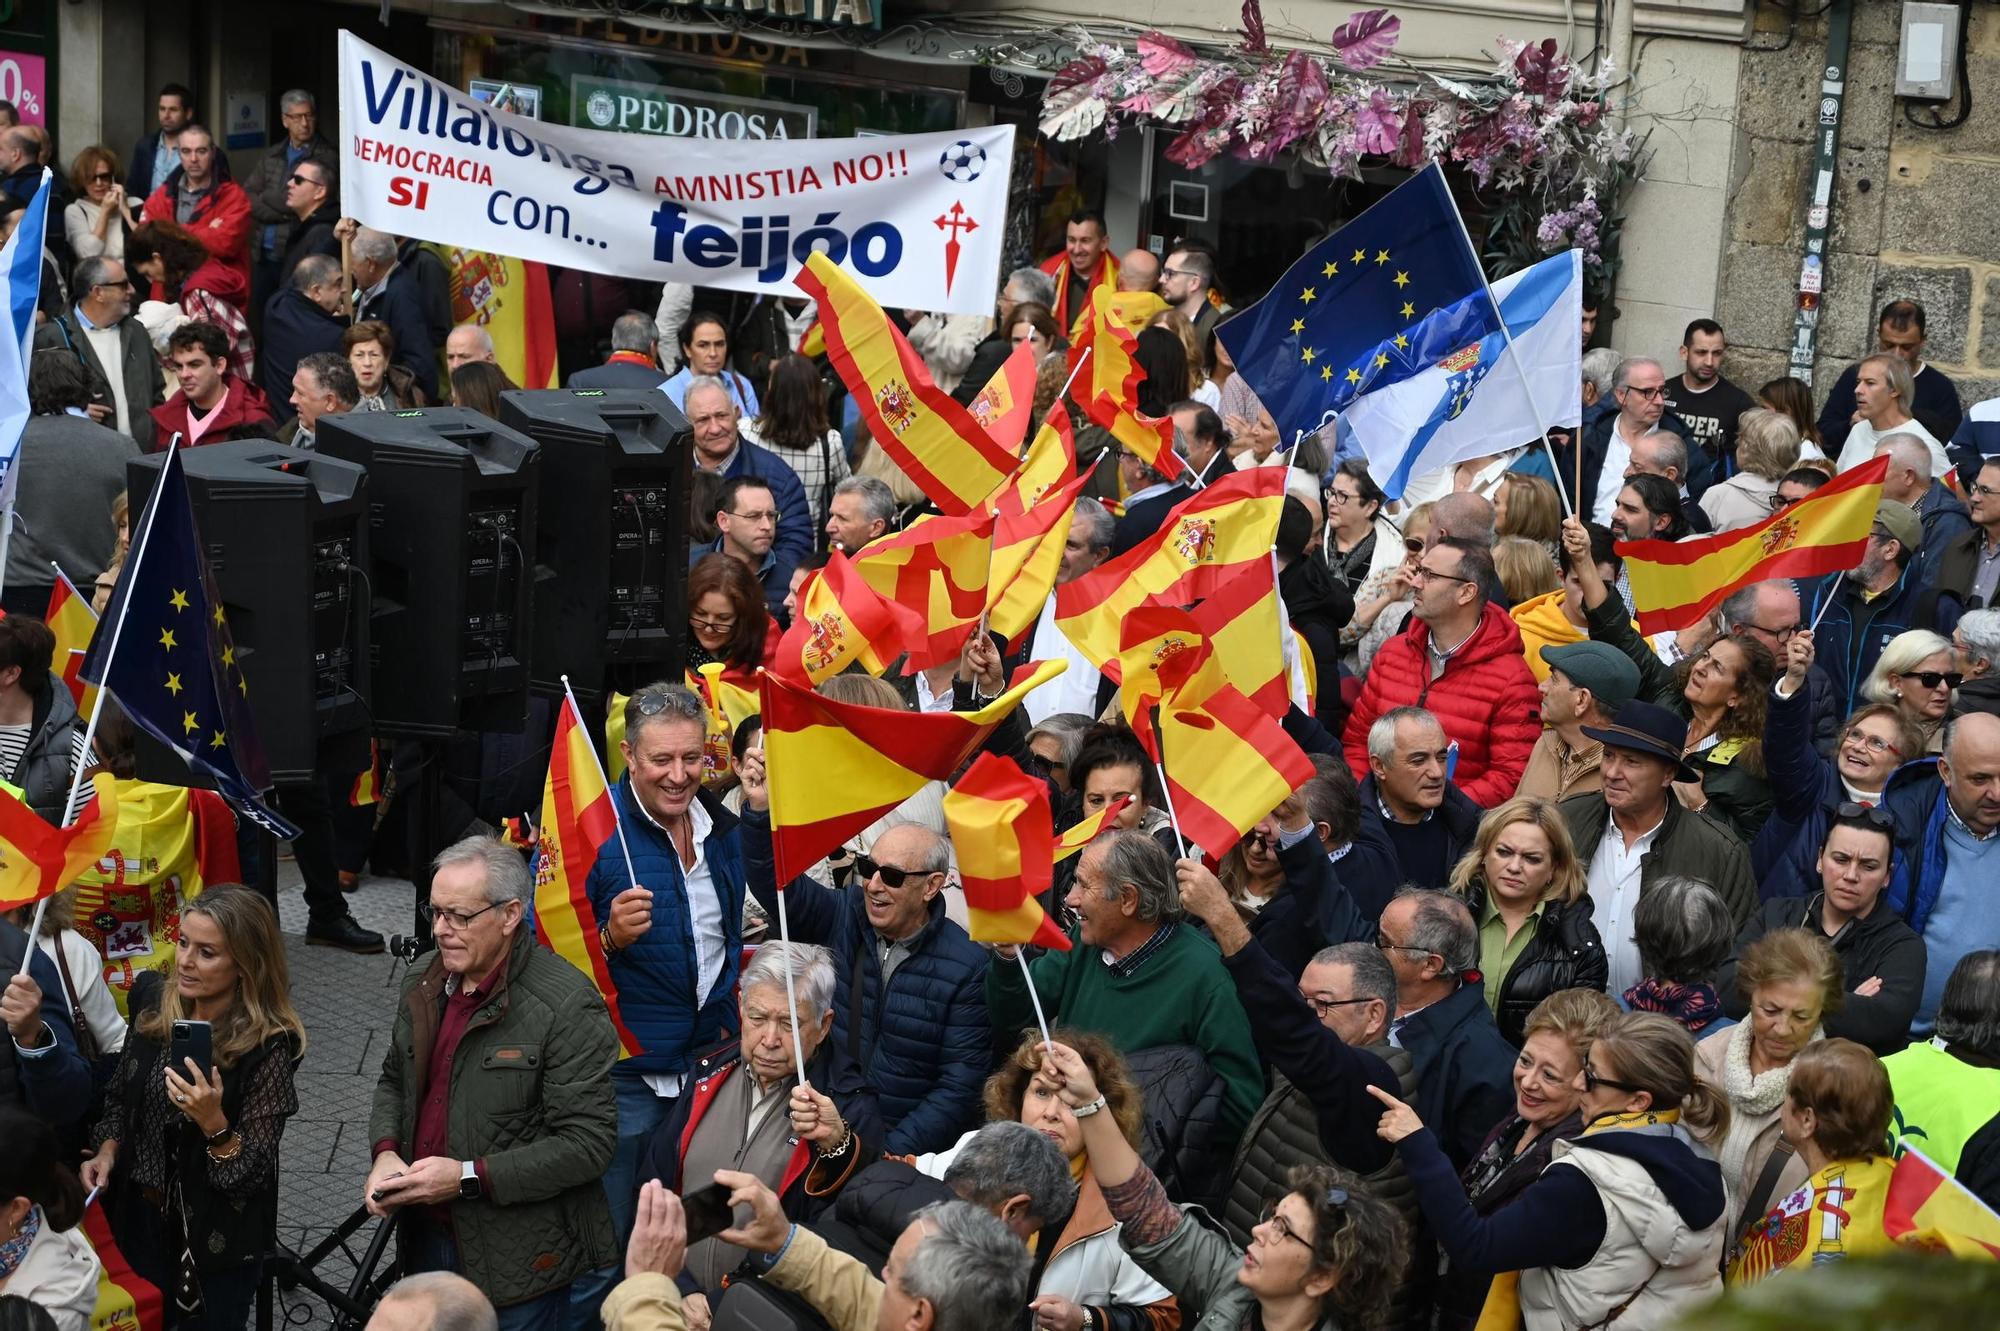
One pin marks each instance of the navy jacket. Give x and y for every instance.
(1945, 520)
(1310, 912)
(617, 374)
(1456, 820)
(294, 328)
(795, 525)
(400, 304)
(1852, 634)
(926, 1042)
(1596, 442)
(657, 974)
(54, 1083)
(1466, 1068)
(1805, 790)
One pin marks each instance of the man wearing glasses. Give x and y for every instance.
(312, 201)
(1185, 283)
(270, 188)
(1639, 387)
(746, 527)
(100, 331)
(1969, 566)
(718, 447)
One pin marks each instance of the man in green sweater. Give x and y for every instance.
(1136, 975)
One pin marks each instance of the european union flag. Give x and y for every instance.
(1389, 295)
(163, 650)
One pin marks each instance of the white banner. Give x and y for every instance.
(918, 218)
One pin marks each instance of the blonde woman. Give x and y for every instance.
(1525, 568)
(1767, 447)
(1201, 388)
(1917, 674)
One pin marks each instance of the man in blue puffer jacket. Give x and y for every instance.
(910, 1004)
(674, 940)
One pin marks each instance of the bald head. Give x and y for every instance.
(1138, 271)
(1469, 517)
(434, 1301)
(1970, 766)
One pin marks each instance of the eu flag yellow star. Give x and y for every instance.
(167, 639)
(188, 722)
(218, 613)
(1380, 360)
(1381, 256)
(174, 685)
(1354, 376)
(179, 600)
(1307, 355)
(1326, 372)
(1360, 256)
(1402, 279)
(1330, 269)
(1307, 295)
(219, 741)
(229, 655)
(1409, 310)
(1402, 343)
(1298, 325)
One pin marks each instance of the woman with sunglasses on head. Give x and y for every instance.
(1624, 1231)
(1917, 672)
(1882, 959)
(1327, 1254)
(1382, 606)
(1806, 788)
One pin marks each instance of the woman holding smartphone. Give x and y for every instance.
(188, 1144)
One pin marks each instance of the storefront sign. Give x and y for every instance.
(420, 158)
(828, 13)
(648, 108)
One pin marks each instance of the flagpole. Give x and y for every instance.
(785, 936)
(1021, 955)
(1166, 791)
(1074, 370)
(1521, 371)
(569, 699)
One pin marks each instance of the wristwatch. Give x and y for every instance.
(468, 1182)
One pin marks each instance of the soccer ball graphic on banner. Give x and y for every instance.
(963, 161)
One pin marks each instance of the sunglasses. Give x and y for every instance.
(891, 876)
(1591, 1081)
(1872, 814)
(102, 178)
(1930, 679)
(296, 179)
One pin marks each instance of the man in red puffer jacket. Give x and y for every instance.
(1461, 658)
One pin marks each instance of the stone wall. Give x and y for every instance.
(1914, 211)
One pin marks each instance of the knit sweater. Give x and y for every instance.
(1179, 995)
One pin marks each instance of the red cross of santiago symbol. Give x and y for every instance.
(955, 221)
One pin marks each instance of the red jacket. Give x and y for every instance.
(245, 414)
(221, 222)
(1486, 700)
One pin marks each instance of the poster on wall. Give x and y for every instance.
(521, 99)
(24, 82)
(243, 118)
(918, 218)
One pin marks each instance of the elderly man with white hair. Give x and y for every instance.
(1909, 481)
(1975, 646)
(387, 292)
(745, 1110)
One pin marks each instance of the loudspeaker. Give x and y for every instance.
(286, 537)
(613, 531)
(451, 497)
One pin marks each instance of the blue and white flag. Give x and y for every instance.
(1474, 401)
(21, 281)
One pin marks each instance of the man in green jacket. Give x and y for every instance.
(494, 1118)
(1136, 974)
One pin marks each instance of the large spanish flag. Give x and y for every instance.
(1000, 830)
(921, 427)
(840, 619)
(1227, 762)
(1929, 1208)
(1049, 462)
(1243, 625)
(511, 300)
(577, 819)
(73, 622)
(1027, 556)
(1005, 406)
(39, 859)
(836, 767)
(938, 567)
(1203, 543)
(1675, 583)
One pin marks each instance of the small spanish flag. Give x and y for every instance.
(73, 622)
(1000, 830)
(1928, 1208)
(842, 619)
(1049, 462)
(1005, 406)
(1027, 557)
(728, 699)
(937, 566)
(577, 820)
(921, 427)
(836, 767)
(1112, 399)
(38, 859)
(1243, 624)
(1078, 835)
(126, 1300)
(1227, 762)
(1676, 583)
(367, 788)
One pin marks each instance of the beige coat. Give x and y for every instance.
(843, 1291)
(1711, 1059)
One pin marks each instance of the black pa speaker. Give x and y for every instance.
(451, 498)
(286, 537)
(613, 529)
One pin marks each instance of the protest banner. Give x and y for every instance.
(918, 217)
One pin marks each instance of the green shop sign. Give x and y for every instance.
(683, 113)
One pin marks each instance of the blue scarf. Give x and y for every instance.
(15, 1250)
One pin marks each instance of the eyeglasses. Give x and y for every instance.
(890, 875)
(1591, 1081)
(123, 282)
(1780, 634)
(1322, 1006)
(1985, 491)
(1335, 1197)
(1657, 390)
(1426, 574)
(438, 917)
(1414, 544)
(1872, 814)
(712, 625)
(1336, 498)
(1873, 743)
(1175, 272)
(1930, 679)
(759, 516)
(1383, 943)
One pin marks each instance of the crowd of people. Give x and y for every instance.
(1583, 957)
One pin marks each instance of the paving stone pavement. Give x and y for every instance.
(348, 1005)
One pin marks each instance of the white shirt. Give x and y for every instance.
(1617, 456)
(1075, 689)
(928, 701)
(109, 344)
(704, 923)
(1863, 437)
(1614, 892)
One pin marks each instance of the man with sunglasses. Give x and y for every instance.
(270, 187)
(100, 331)
(1639, 387)
(1881, 957)
(312, 201)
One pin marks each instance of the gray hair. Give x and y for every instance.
(1006, 1159)
(1981, 631)
(1739, 608)
(1097, 521)
(1382, 734)
(878, 501)
(634, 330)
(507, 876)
(372, 245)
(1623, 374)
(334, 374)
(708, 381)
(89, 274)
(1464, 515)
(1600, 365)
(1373, 976)
(934, 856)
(1683, 929)
(1669, 450)
(456, 1303)
(812, 973)
(1069, 728)
(1443, 924)
(680, 705)
(314, 270)
(1969, 1013)
(1904, 652)
(969, 1267)
(480, 337)
(1904, 450)
(297, 97)
(1132, 858)
(1033, 284)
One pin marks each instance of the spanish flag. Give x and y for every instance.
(1078, 835)
(922, 428)
(577, 819)
(1227, 762)
(1928, 1208)
(367, 788)
(1057, 266)
(1675, 583)
(1159, 649)
(1112, 399)
(1049, 462)
(38, 859)
(1005, 407)
(1027, 556)
(836, 767)
(842, 619)
(1203, 543)
(1000, 830)
(938, 567)
(73, 622)
(511, 300)
(728, 699)
(126, 1300)
(1240, 618)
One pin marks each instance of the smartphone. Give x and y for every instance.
(708, 1212)
(191, 1039)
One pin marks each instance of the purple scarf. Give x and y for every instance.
(1694, 1006)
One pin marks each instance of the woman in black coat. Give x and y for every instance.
(1525, 887)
